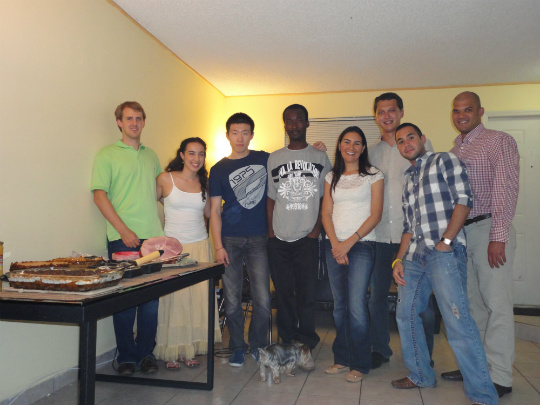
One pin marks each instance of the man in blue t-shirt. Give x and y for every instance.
(240, 235)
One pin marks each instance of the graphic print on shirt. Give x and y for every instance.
(301, 184)
(248, 184)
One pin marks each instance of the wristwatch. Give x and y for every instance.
(446, 241)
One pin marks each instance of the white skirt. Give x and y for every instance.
(183, 315)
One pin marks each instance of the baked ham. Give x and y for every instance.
(170, 246)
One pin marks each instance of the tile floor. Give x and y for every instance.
(240, 386)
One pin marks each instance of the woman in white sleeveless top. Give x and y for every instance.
(352, 207)
(182, 318)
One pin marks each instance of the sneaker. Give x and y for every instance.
(255, 355)
(237, 358)
(126, 368)
(149, 365)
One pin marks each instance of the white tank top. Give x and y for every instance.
(184, 215)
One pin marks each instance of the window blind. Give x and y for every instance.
(327, 130)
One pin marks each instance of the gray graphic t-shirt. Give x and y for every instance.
(296, 183)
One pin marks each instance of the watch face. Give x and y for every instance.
(447, 241)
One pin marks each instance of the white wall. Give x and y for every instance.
(65, 65)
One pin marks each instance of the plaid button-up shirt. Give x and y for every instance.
(492, 161)
(432, 189)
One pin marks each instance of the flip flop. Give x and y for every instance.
(191, 363)
(336, 369)
(354, 378)
(172, 365)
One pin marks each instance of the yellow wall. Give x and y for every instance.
(65, 66)
(429, 109)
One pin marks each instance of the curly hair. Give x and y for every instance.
(177, 164)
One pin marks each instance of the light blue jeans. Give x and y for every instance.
(446, 274)
(379, 313)
(252, 250)
(349, 284)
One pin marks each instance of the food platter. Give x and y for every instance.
(62, 279)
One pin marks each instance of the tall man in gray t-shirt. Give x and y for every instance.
(295, 188)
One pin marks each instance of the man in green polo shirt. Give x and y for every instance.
(124, 187)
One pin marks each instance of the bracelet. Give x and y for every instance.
(357, 234)
(394, 262)
(220, 248)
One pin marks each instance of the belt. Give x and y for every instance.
(477, 219)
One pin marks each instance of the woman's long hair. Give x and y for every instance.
(339, 163)
(177, 164)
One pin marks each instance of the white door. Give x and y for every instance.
(525, 129)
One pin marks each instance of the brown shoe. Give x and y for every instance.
(404, 384)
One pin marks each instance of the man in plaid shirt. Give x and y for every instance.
(492, 160)
(436, 201)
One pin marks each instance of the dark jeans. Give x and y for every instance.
(381, 279)
(130, 349)
(349, 285)
(293, 266)
(252, 250)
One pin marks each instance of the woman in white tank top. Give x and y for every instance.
(182, 316)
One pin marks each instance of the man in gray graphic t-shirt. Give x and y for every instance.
(295, 188)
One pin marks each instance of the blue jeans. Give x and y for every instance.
(446, 274)
(379, 285)
(132, 350)
(252, 250)
(349, 284)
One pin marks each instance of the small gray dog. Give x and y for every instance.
(283, 358)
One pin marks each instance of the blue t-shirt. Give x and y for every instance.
(241, 183)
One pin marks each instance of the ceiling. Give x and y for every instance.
(253, 47)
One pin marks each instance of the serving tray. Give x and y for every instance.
(62, 279)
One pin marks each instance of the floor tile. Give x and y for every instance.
(527, 357)
(535, 382)
(67, 395)
(241, 385)
(256, 397)
(321, 400)
(140, 394)
(287, 384)
(444, 396)
(218, 396)
(526, 346)
(528, 369)
(384, 392)
(331, 386)
(385, 402)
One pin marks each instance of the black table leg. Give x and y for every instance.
(87, 363)
(211, 320)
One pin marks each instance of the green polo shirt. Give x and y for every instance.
(128, 176)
